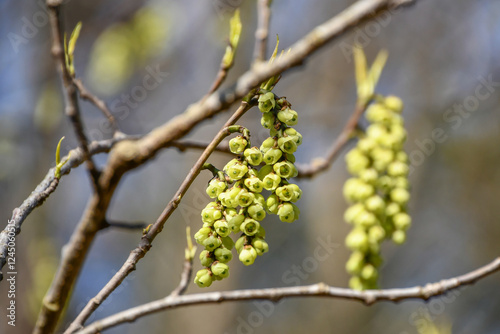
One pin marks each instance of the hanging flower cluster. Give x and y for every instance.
(238, 206)
(378, 191)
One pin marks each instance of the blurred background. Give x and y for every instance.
(443, 62)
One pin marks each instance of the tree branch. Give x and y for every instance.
(71, 98)
(262, 32)
(276, 294)
(188, 144)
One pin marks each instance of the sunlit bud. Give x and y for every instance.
(285, 169)
(375, 204)
(249, 226)
(267, 121)
(392, 209)
(234, 220)
(209, 215)
(238, 144)
(385, 183)
(399, 237)
(376, 233)
(271, 181)
(266, 102)
(267, 144)
(202, 234)
(369, 175)
(220, 269)
(369, 272)
(397, 168)
(382, 157)
(400, 195)
(236, 171)
(288, 116)
(222, 228)
(378, 113)
(206, 258)
(402, 221)
(240, 243)
(203, 278)
(272, 204)
(211, 243)
(377, 132)
(401, 182)
(259, 199)
(357, 190)
(260, 246)
(365, 219)
(261, 233)
(245, 198)
(248, 255)
(356, 161)
(402, 156)
(288, 212)
(215, 187)
(394, 103)
(257, 212)
(287, 144)
(353, 211)
(366, 144)
(355, 283)
(291, 132)
(254, 184)
(253, 156)
(272, 156)
(223, 255)
(357, 240)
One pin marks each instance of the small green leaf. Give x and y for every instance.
(275, 52)
(73, 38)
(376, 69)
(58, 151)
(360, 67)
(234, 38)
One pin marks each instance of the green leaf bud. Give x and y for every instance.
(245, 198)
(400, 195)
(211, 243)
(253, 156)
(402, 221)
(249, 226)
(222, 228)
(355, 263)
(203, 278)
(272, 204)
(236, 171)
(285, 169)
(260, 245)
(223, 255)
(399, 237)
(254, 184)
(290, 157)
(206, 258)
(288, 116)
(357, 239)
(248, 255)
(397, 168)
(238, 144)
(271, 181)
(353, 211)
(375, 204)
(287, 144)
(267, 121)
(215, 188)
(394, 103)
(220, 269)
(267, 144)
(264, 171)
(228, 242)
(267, 102)
(257, 212)
(272, 156)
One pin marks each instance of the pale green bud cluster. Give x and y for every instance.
(238, 206)
(378, 191)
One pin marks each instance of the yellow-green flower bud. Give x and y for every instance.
(355, 263)
(357, 190)
(250, 226)
(202, 234)
(365, 219)
(369, 273)
(254, 184)
(357, 240)
(291, 132)
(240, 243)
(203, 278)
(248, 255)
(401, 182)
(397, 168)
(369, 176)
(245, 198)
(285, 193)
(378, 133)
(220, 269)
(211, 243)
(353, 211)
(267, 144)
(223, 255)
(272, 204)
(285, 169)
(253, 156)
(206, 258)
(257, 212)
(222, 228)
(356, 161)
(268, 119)
(376, 233)
(378, 113)
(260, 246)
(259, 199)
(288, 212)
(215, 188)
(272, 156)
(400, 195)
(355, 283)
(238, 144)
(267, 102)
(394, 103)
(236, 171)
(271, 181)
(288, 116)
(366, 145)
(210, 215)
(375, 204)
(392, 209)
(402, 221)
(287, 144)
(399, 237)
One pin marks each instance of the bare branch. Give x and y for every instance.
(71, 98)
(100, 104)
(321, 164)
(262, 32)
(185, 278)
(188, 144)
(125, 225)
(275, 294)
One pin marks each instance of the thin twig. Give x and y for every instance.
(100, 104)
(185, 278)
(125, 225)
(262, 31)
(321, 164)
(146, 241)
(275, 294)
(71, 97)
(189, 144)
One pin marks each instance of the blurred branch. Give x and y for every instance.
(100, 104)
(48, 186)
(71, 97)
(262, 31)
(319, 165)
(188, 144)
(125, 225)
(276, 294)
(131, 154)
(146, 241)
